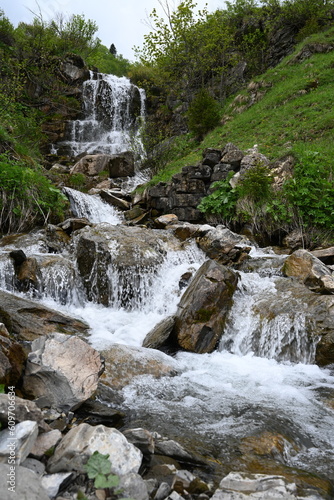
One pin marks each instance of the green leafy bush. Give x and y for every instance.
(222, 201)
(203, 114)
(27, 197)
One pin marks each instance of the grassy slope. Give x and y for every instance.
(292, 115)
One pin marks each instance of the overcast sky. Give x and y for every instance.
(120, 22)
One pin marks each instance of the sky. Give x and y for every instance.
(120, 22)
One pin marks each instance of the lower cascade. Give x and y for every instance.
(260, 381)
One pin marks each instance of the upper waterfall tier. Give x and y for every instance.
(113, 110)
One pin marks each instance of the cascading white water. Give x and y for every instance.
(92, 207)
(113, 111)
(280, 336)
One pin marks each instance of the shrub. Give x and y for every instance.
(27, 198)
(203, 114)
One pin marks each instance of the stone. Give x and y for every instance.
(159, 333)
(35, 465)
(64, 369)
(211, 156)
(171, 448)
(45, 442)
(202, 311)
(223, 245)
(326, 255)
(142, 439)
(232, 155)
(52, 483)
(202, 171)
(165, 220)
(133, 486)
(294, 240)
(92, 165)
(28, 320)
(253, 159)
(80, 443)
(310, 270)
(20, 444)
(243, 485)
(74, 224)
(124, 363)
(73, 68)
(122, 165)
(24, 410)
(26, 484)
(12, 358)
(163, 491)
(57, 238)
(113, 200)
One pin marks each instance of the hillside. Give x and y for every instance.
(287, 110)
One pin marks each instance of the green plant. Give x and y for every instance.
(256, 184)
(98, 467)
(222, 201)
(203, 114)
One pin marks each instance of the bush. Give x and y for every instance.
(27, 198)
(203, 114)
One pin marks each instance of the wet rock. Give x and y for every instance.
(124, 363)
(269, 444)
(242, 485)
(310, 270)
(133, 486)
(80, 443)
(122, 165)
(57, 238)
(130, 251)
(73, 69)
(26, 484)
(223, 245)
(12, 358)
(92, 165)
(165, 220)
(74, 224)
(62, 369)
(171, 448)
(159, 333)
(20, 444)
(113, 200)
(28, 320)
(202, 311)
(142, 439)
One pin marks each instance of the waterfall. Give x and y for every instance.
(113, 111)
(92, 207)
(252, 330)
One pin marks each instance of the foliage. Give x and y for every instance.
(98, 468)
(256, 184)
(222, 201)
(27, 197)
(109, 63)
(203, 114)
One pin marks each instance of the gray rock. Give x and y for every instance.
(142, 439)
(159, 333)
(163, 491)
(25, 484)
(24, 410)
(17, 443)
(80, 443)
(310, 270)
(171, 448)
(133, 486)
(64, 369)
(223, 245)
(123, 363)
(52, 483)
(242, 485)
(44, 442)
(202, 311)
(28, 320)
(35, 465)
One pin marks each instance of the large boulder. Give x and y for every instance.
(223, 245)
(128, 252)
(124, 363)
(202, 311)
(310, 270)
(62, 370)
(92, 165)
(80, 442)
(28, 320)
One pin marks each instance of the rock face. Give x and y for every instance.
(309, 269)
(130, 251)
(27, 484)
(80, 443)
(27, 320)
(124, 363)
(63, 370)
(202, 310)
